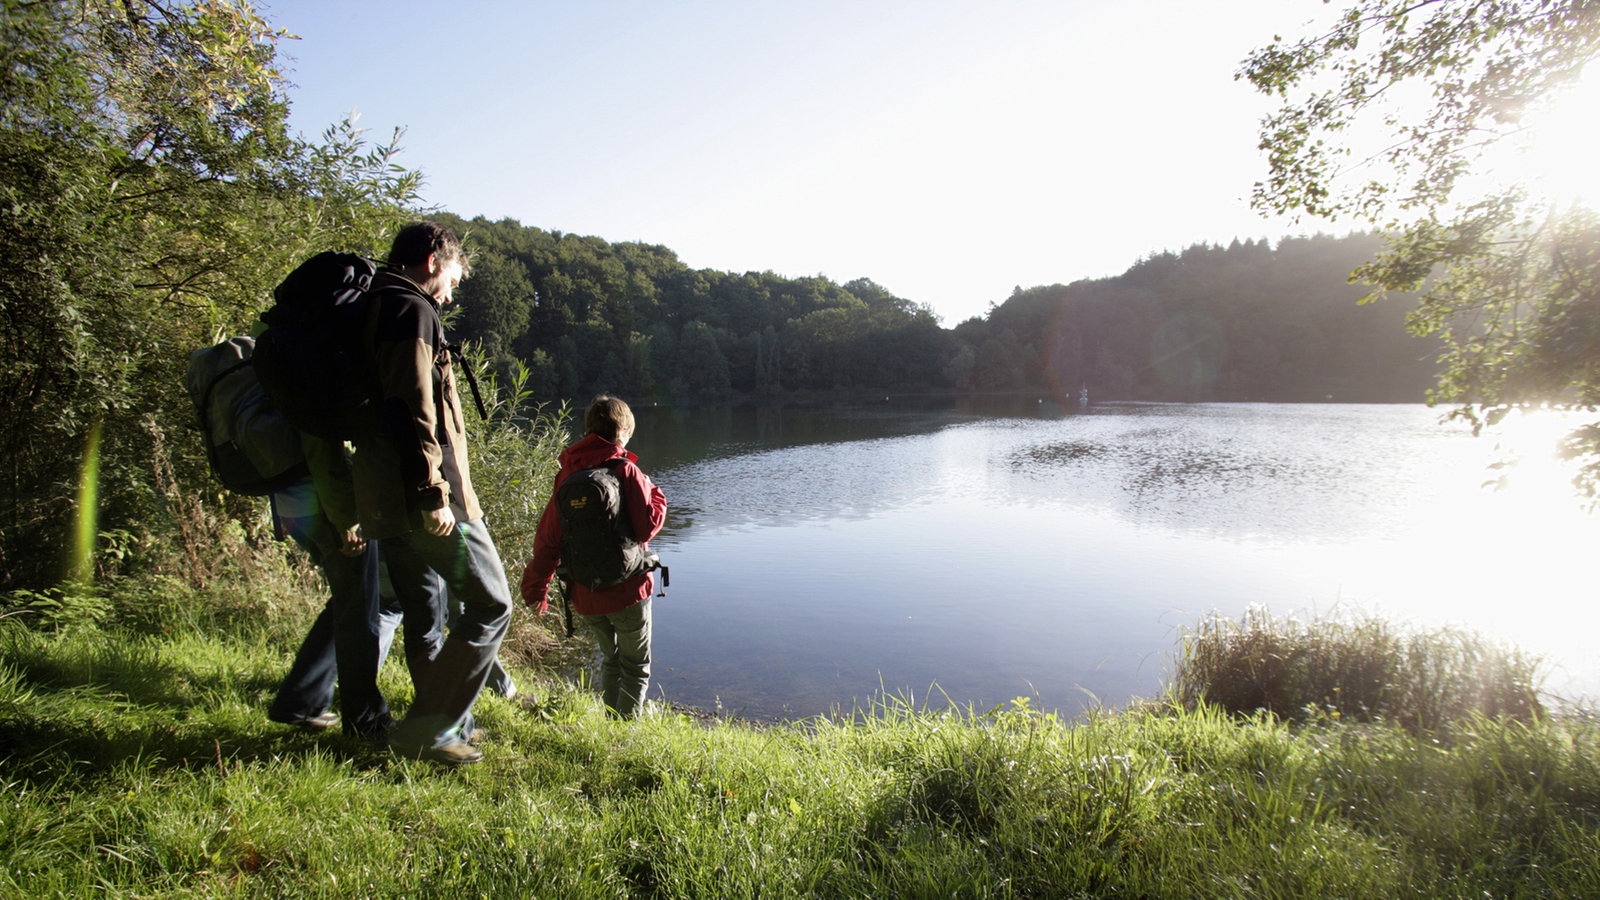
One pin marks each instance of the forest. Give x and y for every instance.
(152, 194)
(1250, 321)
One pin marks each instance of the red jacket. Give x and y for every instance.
(642, 501)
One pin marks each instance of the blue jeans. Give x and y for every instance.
(424, 636)
(348, 640)
(449, 683)
(624, 639)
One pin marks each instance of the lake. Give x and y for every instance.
(971, 552)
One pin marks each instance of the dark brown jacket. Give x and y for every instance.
(417, 460)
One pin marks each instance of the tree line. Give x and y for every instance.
(151, 195)
(1249, 321)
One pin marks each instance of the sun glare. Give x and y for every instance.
(1535, 483)
(1556, 157)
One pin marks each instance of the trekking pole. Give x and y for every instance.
(653, 563)
(277, 523)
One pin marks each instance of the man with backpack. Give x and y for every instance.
(596, 528)
(414, 494)
(254, 450)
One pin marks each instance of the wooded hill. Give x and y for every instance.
(1245, 322)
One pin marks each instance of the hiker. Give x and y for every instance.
(349, 637)
(414, 494)
(617, 615)
(256, 446)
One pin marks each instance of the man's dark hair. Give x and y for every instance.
(608, 417)
(414, 242)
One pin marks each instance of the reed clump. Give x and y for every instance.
(1354, 667)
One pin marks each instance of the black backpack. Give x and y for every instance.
(597, 545)
(252, 447)
(315, 358)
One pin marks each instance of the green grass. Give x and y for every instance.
(141, 765)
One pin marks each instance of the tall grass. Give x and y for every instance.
(141, 765)
(1357, 668)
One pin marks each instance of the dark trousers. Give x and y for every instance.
(345, 641)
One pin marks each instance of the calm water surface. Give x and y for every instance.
(824, 557)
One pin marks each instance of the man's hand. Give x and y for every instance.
(352, 543)
(438, 522)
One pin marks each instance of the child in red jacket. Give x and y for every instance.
(619, 615)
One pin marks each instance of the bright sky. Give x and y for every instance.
(949, 150)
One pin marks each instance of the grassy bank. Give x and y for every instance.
(140, 764)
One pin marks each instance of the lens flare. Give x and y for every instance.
(81, 566)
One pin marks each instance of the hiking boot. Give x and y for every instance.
(456, 753)
(322, 721)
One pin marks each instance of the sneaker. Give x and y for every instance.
(477, 737)
(458, 753)
(322, 721)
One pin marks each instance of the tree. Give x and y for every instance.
(150, 195)
(1508, 280)
(496, 302)
(705, 371)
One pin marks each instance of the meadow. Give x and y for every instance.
(137, 762)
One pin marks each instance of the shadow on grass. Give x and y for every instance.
(88, 713)
(43, 752)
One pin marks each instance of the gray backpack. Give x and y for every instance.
(252, 448)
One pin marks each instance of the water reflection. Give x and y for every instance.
(1277, 473)
(821, 555)
(673, 436)
(1237, 470)
(736, 467)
